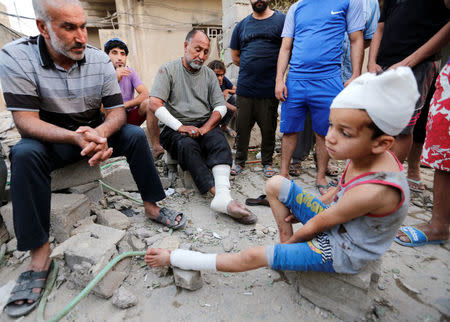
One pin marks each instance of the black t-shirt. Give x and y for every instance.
(408, 24)
(259, 42)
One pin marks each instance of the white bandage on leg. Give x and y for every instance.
(194, 261)
(222, 109)
(221, 173)
(168, 119)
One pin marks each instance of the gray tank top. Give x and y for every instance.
(366, 238)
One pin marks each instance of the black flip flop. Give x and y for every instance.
(260, 201)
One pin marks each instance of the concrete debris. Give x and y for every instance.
(92, 190)
(66, 210)
(123, 298)
(136, 243)
(227, 245)
(113, 218)
(11, 245)
(190, 280)
(73, 175)
(119, 176)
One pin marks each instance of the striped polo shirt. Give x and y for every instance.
(31, 81)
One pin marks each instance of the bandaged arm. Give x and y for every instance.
(167, 119)
(222, 109)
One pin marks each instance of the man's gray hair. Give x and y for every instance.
(40, 7)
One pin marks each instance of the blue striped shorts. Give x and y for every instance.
(313, 255)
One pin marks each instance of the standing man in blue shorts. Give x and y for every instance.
(312, 45)
(255, 44)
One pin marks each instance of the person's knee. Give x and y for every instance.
(134, 134)
(26, 150)
(273, 186)
(250, 256)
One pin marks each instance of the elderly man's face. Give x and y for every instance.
(67, 31)
(196, 51)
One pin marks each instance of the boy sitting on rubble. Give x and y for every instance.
(364, 211)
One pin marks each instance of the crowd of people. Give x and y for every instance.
(72, 101)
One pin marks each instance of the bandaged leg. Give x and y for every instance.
(221, 173)
(190, 260)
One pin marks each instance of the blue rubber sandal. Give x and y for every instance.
(236, 169)
(416, 237)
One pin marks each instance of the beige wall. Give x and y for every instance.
(155, 30)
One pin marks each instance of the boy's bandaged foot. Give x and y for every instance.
(234, 209)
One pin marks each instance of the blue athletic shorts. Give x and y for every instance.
(315, 95)
(314, 255)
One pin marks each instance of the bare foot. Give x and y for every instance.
(239, 212)
(432, 233)
(157, 257)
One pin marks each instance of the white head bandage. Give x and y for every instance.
(389, 98)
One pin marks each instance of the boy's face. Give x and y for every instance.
(220, 74)
(349, 136)
(118, 57)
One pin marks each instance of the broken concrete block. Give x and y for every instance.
(169, 242)
(190, 280)
(74, 175)
(92, 190)
(123, 298)
(104, 233)
(136, 243)
(92, 250)
(113, 218)
(66, 210)
(119, 176)
(106, 287)
(349, 297)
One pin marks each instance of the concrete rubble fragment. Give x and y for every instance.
(73, 175)
(123, 298)
(118, 175)
(349, 297)
(66, 210)
(113, 218)
(190, 280)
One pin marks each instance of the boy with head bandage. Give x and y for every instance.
(352, 224)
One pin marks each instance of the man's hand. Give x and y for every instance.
(280, 91)
(190, 130)
(122, 71)
(93, 144)
(374, 68)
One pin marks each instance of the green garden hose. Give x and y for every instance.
(86, 290)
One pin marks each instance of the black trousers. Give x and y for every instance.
(33, 160)
(198, 155)
(263, 111)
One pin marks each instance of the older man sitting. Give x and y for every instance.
(187, 100)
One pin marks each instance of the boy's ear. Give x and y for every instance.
(382, 143)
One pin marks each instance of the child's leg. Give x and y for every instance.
(251, 258)
(285, 197)
(273, 187)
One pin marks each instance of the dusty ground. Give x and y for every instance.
(414, 284)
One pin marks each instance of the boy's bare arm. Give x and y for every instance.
(356, 202)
